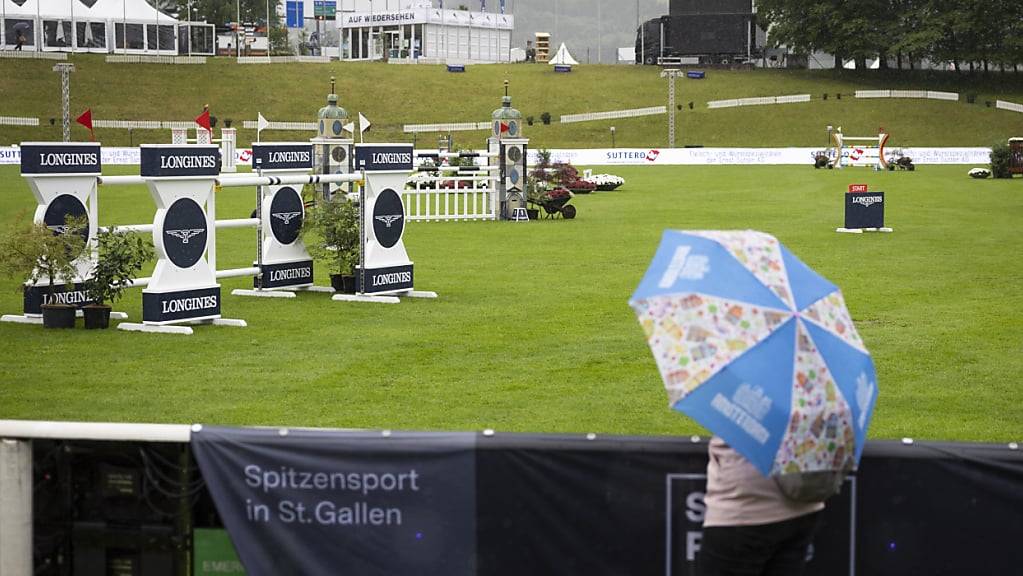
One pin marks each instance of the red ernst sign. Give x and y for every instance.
(854, 188)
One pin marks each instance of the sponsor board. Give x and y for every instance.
(282, 156)
(388, 218)
(184, 233)
(165, 307)
(634, 157)
(165, 161)
(60, 159)
(864, 210)
(391, 279)
(283, 275)
(36, 296)
(396, 158)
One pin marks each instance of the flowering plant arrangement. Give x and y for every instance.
(581, 186)
(606, 182)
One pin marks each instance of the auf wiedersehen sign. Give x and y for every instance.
(326, 502)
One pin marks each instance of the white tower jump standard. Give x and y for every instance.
(282, 258)
(183, 288)
(62, 177)
(385, 271)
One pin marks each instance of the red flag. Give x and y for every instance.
(86, 120)
(504, 127)
(204, 120)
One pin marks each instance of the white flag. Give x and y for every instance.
(363, 123)
(350, 127)
(261, 124)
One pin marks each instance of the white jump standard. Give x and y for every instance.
(384, 271)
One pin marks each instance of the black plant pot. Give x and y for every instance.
(96, 317)
(58, 316)
(343, 283)
(533, 213)
(348, 284)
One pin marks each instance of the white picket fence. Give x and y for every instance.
(144, 59)
(923, 94)
(1010, 106)
(614, 114)
(762, 101)
(18, 121)
(296, 126)
(33, 55)
(448, 127)
(476, 202)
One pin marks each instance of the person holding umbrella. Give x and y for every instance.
(760, 350)
(20, 41)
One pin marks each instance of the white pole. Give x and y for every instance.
(268, 27)
(74, 29)
(15, 507)
(188, 35)
(237, 25)
(600, 31)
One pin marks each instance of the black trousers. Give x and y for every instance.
(777, 549)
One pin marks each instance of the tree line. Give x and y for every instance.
(971, 34)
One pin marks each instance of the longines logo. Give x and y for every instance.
(59, 229)
(58, 211)
(193, 161)
(286, 217)
(68, 159)
(186, 235)
(389, 219)
(303, 273)
(867, 201)
(188, 304)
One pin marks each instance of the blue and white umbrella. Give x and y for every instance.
(759, 349)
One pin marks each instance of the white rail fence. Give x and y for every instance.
(18, 121)
(1010, 106)
(33, 55)
(925, 94)
(614, 114)
(478, 201)
(143, 59)
(297, 126)
(762, 101)
(448, 127)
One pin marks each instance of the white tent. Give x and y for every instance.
(128, 26)
(563, 58)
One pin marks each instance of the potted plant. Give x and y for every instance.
(121, 256)
(36, 252)
(334, 239)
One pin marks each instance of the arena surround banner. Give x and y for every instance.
(395, 503)
(326, 502)
(637, 156)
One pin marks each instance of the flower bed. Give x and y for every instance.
(606, 182)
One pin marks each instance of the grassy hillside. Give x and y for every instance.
(392, 95)
(532, 331)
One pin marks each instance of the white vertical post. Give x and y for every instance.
(15, 507)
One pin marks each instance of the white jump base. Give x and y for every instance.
(862, 230)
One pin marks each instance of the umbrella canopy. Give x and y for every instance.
(759, 349)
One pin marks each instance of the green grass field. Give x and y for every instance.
(532, 331)
(392, 96)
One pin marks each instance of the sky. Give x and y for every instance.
(593, 30)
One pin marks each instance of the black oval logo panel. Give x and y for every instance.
(57, 212)
(339, 154)
(388, 218)
(286, 215)
(515, 154)
(184, 232)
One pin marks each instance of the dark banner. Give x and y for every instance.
(391, 279)
(864, 210)
(159, 160)
(282, 156)
(361, 503)
(385, 158)
(282, 275)
(182, 305)
(36, 296)
(61, 158)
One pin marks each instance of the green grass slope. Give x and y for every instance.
(392, 95)
(532, 331)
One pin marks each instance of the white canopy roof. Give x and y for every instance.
(563, 58)
(133, 10)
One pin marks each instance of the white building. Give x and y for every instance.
(422, 31)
